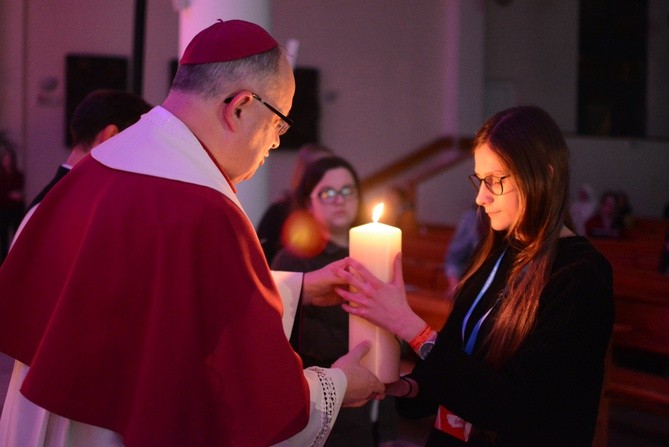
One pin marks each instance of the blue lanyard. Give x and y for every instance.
(469, 346)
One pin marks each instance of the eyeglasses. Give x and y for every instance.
(492, 183)
(329, 195)
(285, 124)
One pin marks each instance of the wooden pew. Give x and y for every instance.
(640, 248)
(629, 253)
(642, 321)
(642, 308)
(642, 315)
(640, 284)
(641, 326)
(423, 255)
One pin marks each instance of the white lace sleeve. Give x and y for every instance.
(326, 388)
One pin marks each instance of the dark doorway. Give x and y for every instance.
(612, 67)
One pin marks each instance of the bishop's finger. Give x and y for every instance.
(360, 270)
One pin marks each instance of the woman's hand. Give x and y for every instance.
(404, 387)
(384, 304)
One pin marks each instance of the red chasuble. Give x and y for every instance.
(144, 305)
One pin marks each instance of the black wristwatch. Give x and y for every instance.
(425, 348)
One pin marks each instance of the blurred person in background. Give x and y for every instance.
(583, 208)
(271, 223)
(327, 204)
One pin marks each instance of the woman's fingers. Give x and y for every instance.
(398, 275)
(362, 272)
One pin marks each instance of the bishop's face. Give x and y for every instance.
(266, 126)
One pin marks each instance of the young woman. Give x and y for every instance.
(328, 193)
(520, 360)
(272, 221)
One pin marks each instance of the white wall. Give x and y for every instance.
(387, 81)
(532, 51)
(393, 77)
(37, 35)
(533, 46)
(381, 73)
(383, 69)
(161, 46)
(12, 72)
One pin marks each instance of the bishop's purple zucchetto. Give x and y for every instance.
(226, 41)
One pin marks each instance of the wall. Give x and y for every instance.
(380, 79)
(161, 47)
(393, 78)
(383, 82)
(534, 47)
(526, 63)
(387, 82)
(49, 29)
(12, 72)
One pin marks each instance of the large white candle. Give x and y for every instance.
(375, 245)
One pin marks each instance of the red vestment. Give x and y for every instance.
(144, 305)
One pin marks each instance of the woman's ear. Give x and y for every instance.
(234, 107)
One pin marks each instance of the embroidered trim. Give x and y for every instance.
(329, 402)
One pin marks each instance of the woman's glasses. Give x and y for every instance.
(329, 195)
(492, 183)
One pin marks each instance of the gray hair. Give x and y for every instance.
(212, 79)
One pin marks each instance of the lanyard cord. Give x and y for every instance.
(469, 345)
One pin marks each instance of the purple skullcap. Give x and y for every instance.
(226, 41)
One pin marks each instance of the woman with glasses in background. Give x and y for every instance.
(520, 360)
(327, 204)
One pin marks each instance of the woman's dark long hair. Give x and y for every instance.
(533, 149)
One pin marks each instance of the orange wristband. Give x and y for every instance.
(421, 338)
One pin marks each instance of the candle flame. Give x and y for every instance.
(376, 213)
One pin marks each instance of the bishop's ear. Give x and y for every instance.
(234, 107)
